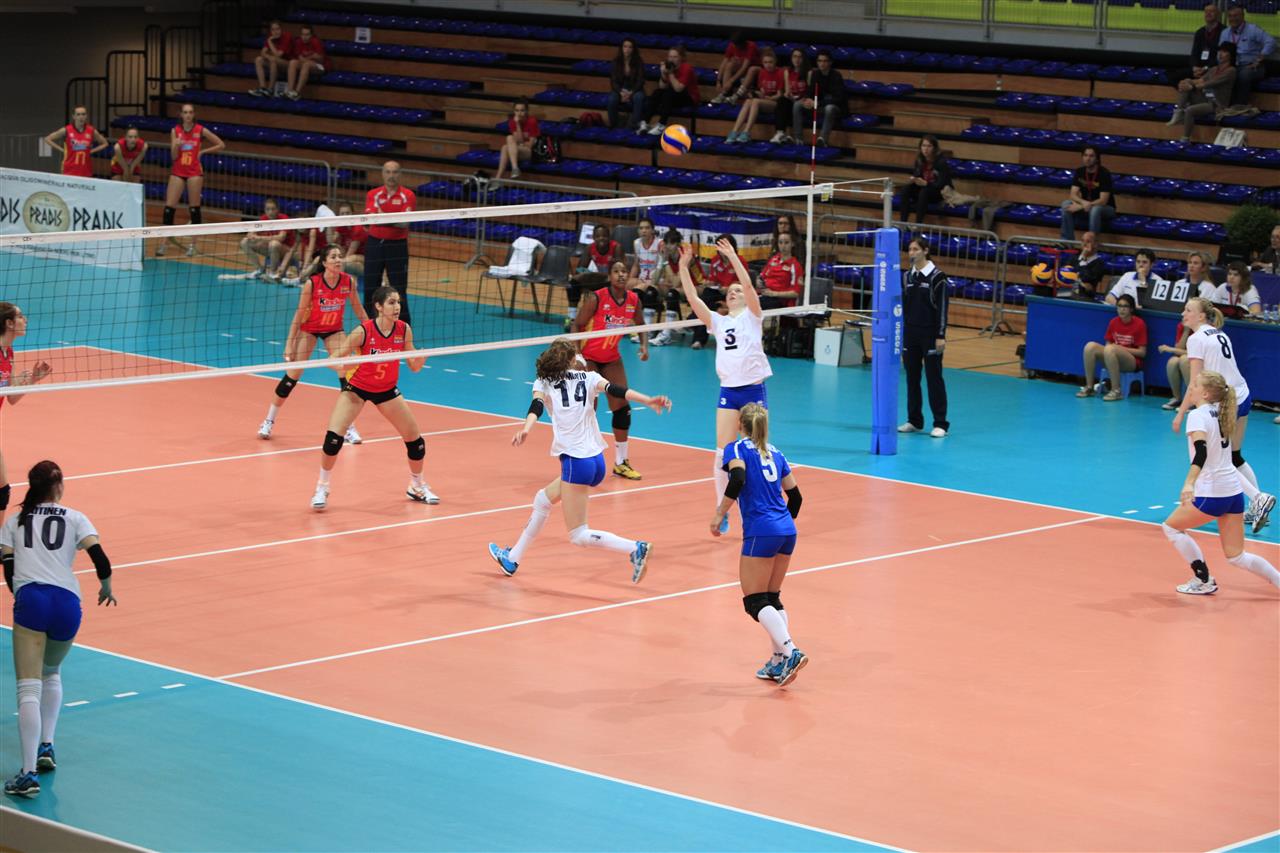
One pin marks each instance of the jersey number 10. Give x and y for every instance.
(52, 533)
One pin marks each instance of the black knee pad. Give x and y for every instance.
(622, 418)
(573, 293)
(169, 213)
(196, 217)
(672, 300)
(775, 600)
(4, 496)
(332, 443)
(1237, 458)
(417, 448)
(754, 603)
(285, 387)
(649, 298)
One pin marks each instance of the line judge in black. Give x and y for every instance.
(924, 337)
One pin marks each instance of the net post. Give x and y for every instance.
(808, 245)
(886, 342)
(887, 200)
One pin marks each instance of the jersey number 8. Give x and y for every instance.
(579, 393)
(1225, 343)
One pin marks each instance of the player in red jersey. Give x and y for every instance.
(762, 88)
(782, 279)
(375, 382)
(186, 142)
(599, 255)
(269, 251)
(127, 156)
(277, 50)
(13, 325)
(352, 239)
(77, 141)
(308, 61)
(612, 307)
(321, 307)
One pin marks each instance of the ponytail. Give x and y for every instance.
(43, 481)
(754, 421)
(1221, 394)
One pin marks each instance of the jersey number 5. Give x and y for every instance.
(52, 532)
(579, 393)
(769, 469)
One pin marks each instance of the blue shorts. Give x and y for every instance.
(768, 546)
(582, 472)
(1220, 506)
(736, 398)
(49, 609)
(1244, 408)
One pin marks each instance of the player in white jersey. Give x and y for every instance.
(740, 360)
(37, 548)
(569, 390)
(647, 254)
(1209, 348)
(1212, 490)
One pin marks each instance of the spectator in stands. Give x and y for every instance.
(308, 257)
(269, 252)
(387, 247)
(795, 87)
(602, 253)
(1178, 368)
(1208, 94)
(667, 281)
(924, 338)
(1093, 202)
(930, 175)
(276, 52)
(1196, 282)
(1091, 268)
(761, 91)
(720, 275)
(626, 88)
(1238, 292)
(1254, 47)
(127, 156)
(522, 130)
(1204, 47)
(1138, 279)
(781, 282)
(826, 84)
(351, 239)
(1269, 260)
(740, 56)
(307, 61)
(677, 88)
(783, 223)
(77, 141)
(1123, 348)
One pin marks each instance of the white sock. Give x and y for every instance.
(416, 479)
(671, 316)
(1248, 482)
(587, 538)
(721, 475)
(771, 620)
(272, 412)
(573, 312)
(50, 703)
(619, 452)
(29, 721)
(1186, 546)
(650, 314)
(1257, 565)
(324, 477)
(537, 518)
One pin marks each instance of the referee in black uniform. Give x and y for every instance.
(388, 245)
(924, 336)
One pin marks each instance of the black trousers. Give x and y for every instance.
(917, 343)
(667, 101)
(392, 256)
(916, 199)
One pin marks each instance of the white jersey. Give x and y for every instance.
(1182, 290)
(44, 549)
(1224, 295)
(1130, 283)
(571, 402)
(740, 358)
(1218, 477)
(647, 259)
(1214, 348)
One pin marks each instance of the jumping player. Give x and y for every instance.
(570, 393)
(127, 156)
(612, 307)
(755, 468)
(376, 383)
(13, 325)
(77, 141)
(37, 548)
(321, 306)
(740, 360)
(186, 146)
(1212, 490)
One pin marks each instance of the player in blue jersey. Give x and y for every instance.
(758, 475)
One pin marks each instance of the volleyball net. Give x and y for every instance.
(159, 303)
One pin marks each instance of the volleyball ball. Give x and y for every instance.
(1042, 274)
(675, 139)
(1068, 277)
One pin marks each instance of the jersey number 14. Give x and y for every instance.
(579, 393)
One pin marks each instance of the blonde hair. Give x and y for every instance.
(1210, 311)
(1220, 392)
(753, 420)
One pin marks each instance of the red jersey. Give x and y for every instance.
(286, 237)
(327, 304)
(132, 156)
(379, 200)
(609, 315)
(529, 127)
(750, 53)
(382, 375)
(78, 144)
(6, 369)
(688, 77)
(1131, 334)
(779, 274)
(283, 45)
(722, 273)
(601, 261)
(351, 234)
(769, 83)
(311, 49)
(188, 163)
(797, 85)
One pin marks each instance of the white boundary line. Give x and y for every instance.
(496, 750)
(681, 594)
(1238, 844)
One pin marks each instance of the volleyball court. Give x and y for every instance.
(984, 676)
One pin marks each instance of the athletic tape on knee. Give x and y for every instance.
(580, 536)
(541, 503)
(1237, 458)
(4, 496)
(169, 213)
(196, 216)
(332, 443)
(29, 690)
(417, 448)
(285, 387)
(622, 419)
(754, 603)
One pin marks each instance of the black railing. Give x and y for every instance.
(121, 90)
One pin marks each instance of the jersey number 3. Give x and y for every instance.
(730, 339)
(52, 532)
(579, 393)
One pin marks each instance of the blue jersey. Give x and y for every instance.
(764, 510)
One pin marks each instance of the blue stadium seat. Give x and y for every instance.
(1016, 294)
